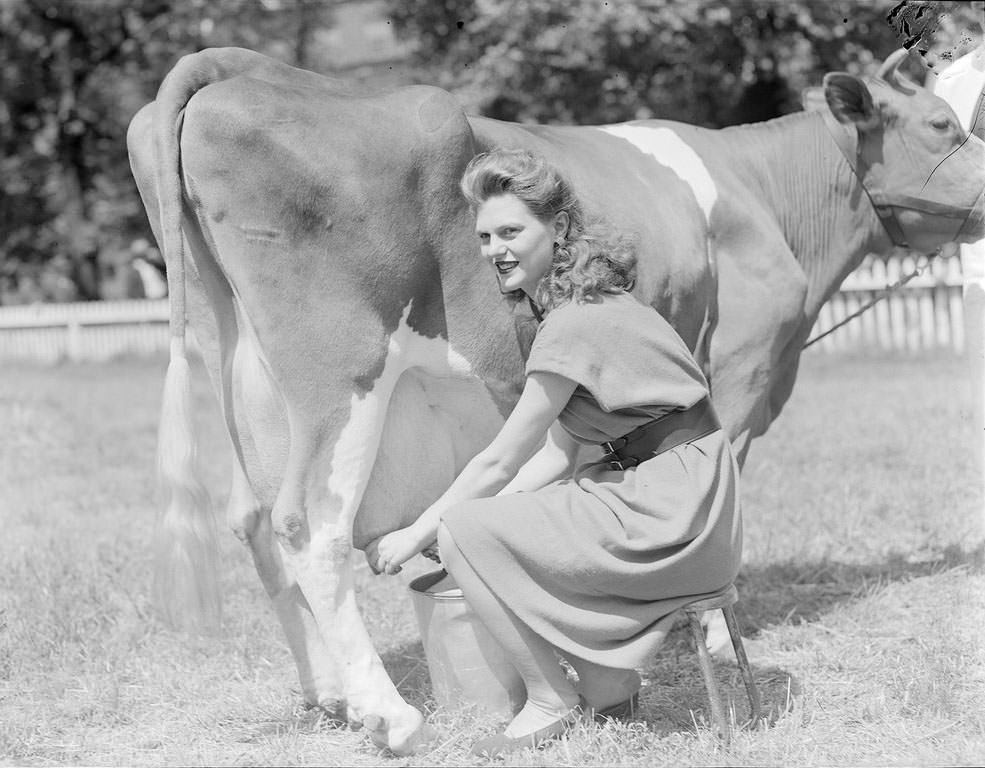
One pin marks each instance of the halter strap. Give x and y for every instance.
(849, 149)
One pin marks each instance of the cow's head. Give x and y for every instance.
(923, 172)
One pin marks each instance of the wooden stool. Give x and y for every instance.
(724, 600)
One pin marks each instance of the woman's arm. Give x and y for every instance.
(543, 398)
(555, 461)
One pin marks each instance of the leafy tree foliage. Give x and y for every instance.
(72, 75)
(700, 61)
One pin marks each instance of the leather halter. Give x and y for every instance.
(885, 203)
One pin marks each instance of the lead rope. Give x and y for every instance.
(884, 293)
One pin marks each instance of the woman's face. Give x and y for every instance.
(519, 246)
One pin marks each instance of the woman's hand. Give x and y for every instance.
(389, 552)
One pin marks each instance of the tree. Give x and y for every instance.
(73, 74)
(699, 61)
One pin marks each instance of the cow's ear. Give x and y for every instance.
(850, 101)
(813, 99)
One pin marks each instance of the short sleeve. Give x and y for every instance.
(623, 352)
(561, 347)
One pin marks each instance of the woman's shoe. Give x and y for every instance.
(624, 710)
(501, 744)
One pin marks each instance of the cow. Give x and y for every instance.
(317, 245)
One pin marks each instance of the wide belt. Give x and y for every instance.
(660, 435)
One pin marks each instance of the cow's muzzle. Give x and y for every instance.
(966, 219)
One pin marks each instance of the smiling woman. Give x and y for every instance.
(588, 561)
(532, 228)
(518, 244)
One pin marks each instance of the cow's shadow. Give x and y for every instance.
(674, 697)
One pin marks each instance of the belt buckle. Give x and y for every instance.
(611, 446)
(623, 464)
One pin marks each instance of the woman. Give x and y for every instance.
(590, 562)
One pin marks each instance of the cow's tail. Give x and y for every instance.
(186, 578)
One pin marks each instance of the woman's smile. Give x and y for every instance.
(507, 265)
(519, 246)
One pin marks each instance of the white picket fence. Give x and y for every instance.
(925, 314)
(91, 330)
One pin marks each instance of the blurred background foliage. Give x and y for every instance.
(74, 72)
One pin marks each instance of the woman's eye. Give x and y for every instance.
(940, 124)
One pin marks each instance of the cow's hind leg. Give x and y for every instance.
(318, 672)
(325, 482)
(258, 423)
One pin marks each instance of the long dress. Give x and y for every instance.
(597, 564)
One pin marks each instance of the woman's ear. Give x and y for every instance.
(561, 222)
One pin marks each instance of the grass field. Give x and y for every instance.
(863, 594)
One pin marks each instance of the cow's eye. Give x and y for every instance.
(940, 123)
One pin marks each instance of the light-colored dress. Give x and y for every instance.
(597, 564)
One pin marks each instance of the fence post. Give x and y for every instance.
(73, 341)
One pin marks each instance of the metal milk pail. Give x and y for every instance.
(466, 664)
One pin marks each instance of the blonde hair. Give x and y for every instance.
(589, 259)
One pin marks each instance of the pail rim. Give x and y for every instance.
(422, 584)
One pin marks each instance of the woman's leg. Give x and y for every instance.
(604, 687)
(549, 694)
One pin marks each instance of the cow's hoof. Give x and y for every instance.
(401, 739)
(333, 709)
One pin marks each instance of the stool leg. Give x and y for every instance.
(707, 669)
(740, 656)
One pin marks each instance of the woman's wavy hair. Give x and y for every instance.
(590, 259)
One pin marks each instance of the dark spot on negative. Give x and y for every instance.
(460, 24)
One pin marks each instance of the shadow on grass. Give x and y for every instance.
(804, 591)
(674, 698)
(408, 668)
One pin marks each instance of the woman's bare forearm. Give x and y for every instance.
(545, 467)
(481, 477)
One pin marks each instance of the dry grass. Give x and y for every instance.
(862, 593)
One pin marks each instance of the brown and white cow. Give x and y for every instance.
(360, 350)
